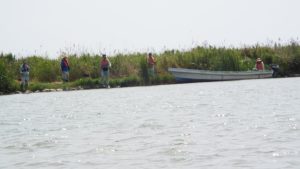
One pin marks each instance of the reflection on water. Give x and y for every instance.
(237, 124)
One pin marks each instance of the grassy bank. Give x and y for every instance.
(131, 69)
(90, 83)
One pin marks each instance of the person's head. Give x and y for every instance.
(65, 58)
(150, 54)
(104, 56)
(258, 60)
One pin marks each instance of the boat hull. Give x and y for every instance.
(193, 75)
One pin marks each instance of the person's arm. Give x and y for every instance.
(263, 65)
(152, 60)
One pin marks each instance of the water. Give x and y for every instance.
(237, 124)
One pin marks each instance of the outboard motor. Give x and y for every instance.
(275, 69)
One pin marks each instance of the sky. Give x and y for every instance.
(49, 27)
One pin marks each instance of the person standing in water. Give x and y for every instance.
(24, 71)
(104, 67)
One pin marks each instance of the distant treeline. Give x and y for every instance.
(134, 65)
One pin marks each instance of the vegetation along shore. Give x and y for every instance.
(131, 69)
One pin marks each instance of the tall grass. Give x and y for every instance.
(131, 69)
(7, 78)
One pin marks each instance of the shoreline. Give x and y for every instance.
(78, 88)
(89, 83)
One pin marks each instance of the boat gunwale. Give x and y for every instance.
(219, 73)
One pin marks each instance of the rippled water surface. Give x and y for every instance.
(236, 124)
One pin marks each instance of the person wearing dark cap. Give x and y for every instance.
(104, 66)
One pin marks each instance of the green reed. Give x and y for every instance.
(131, 69)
